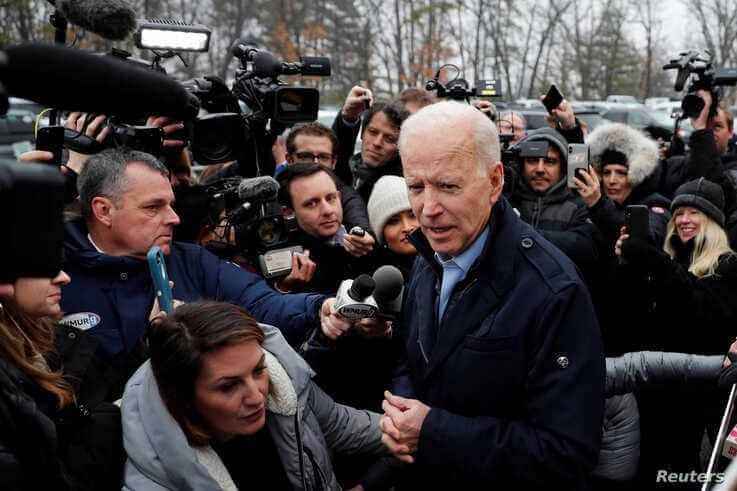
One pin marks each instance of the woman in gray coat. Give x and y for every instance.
(225, 403)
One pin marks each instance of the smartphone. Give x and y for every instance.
(51, 139)
(636, 219)
(278, 262)
(578, 160)
(552, 99)
(160, 278)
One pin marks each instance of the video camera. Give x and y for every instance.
(32, 200)
(524, 149)
(458, 88)
(253, 224)
(705, 77)
(258, 108)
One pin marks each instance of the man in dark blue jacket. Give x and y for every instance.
(503, 383)
(126, 202)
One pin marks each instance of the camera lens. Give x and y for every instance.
(692, 105)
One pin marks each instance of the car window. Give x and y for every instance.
(616, 116)
(638, 119)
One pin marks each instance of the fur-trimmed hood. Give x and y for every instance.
(641, 151)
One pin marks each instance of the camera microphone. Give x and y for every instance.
(258, 188)
(111, 19)
(69, 79)
(354, 301)
(389, 291)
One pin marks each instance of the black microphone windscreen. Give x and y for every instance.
(70, 79)
(389, 283)
(258, 188)
(111, 19)
(361, 287)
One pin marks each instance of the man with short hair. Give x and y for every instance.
(309, 192)
(379, 126)
(544, 200)
(126, 201)
(415, 98)
(503, 382)
(315, 142)
(511, 122)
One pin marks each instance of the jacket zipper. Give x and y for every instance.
(298, 434)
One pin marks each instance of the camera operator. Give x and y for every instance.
(379, 128)
(309, 191)
(315, 142)
(126, 201)
(709, 156)
(545, 201)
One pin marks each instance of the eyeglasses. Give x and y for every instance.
(311, 157)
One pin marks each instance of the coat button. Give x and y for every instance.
(123, 276)
(527, 242)
(562, 361)
(72, 335)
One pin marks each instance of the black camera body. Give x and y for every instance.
(254, 224)
(705, 77)
(458, 89)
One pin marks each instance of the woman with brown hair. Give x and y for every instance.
(47, 439)
(225, 403)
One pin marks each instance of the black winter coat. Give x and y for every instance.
(78, 448)
(562, 218)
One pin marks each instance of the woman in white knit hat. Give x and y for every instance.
(392, 219)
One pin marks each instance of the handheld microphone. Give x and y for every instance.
(91, 83)
(388, 292)
(111, 19)
(354, 301)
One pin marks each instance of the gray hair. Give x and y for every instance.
(507, 116)
(104, 175)
(455, 116)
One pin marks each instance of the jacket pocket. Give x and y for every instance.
(489, 345)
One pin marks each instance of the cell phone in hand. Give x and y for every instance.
(160, 278)
(552, 99)
(636, 219)
(578, 160)
(357, 231)
(51, 139)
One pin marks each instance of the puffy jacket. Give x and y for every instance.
(111, 297)
(304, 423)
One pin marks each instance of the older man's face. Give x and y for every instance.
(448, 196)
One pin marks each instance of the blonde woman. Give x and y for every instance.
(681, 298)
(691, 297)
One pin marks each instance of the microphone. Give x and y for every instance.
(69, 79)
(354, 301)
(258, 188)
(389, 291)
(111, 19)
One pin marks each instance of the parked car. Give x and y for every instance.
(622, 99)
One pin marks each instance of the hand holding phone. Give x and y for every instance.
(552, 99)
(636, 219)
(160, 278)
(578, 160)
(51, 139)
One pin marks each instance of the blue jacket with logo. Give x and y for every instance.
(515, 379)
(111, 297)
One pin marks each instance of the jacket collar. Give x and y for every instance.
(78, 249)
(497, 256)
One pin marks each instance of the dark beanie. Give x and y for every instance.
(611, 157)
(703, 195)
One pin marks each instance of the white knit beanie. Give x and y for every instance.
(388, 198)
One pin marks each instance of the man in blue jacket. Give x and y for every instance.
(126, 201)
(503, 383)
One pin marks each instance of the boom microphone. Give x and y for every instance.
(258, 188)
(70, 79)
(111, 19)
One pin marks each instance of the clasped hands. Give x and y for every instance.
(401, 425)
